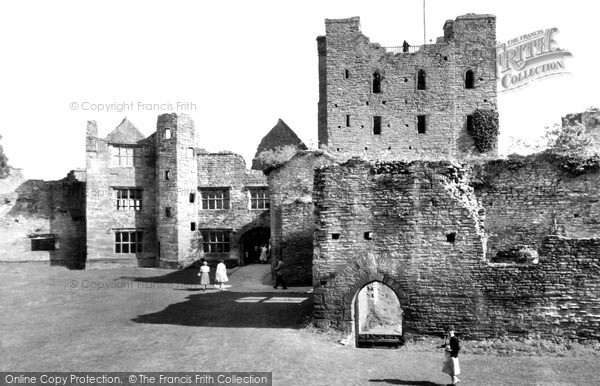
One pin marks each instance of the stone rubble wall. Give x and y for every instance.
(292, 218)
(528, 198)
(35, 207)
(392, 222)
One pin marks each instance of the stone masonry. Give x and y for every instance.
(43, 220)
(420, 229)
(351, 106)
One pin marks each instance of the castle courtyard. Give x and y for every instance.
(148, 319)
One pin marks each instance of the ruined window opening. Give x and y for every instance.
(215, 199)
(216, 241)
(167, 133)
(469, 79)
(168, 211)
(421, 124)
(421, 80)
(259, 198)
(451, 237)
(376, 125)
(43, 243)
(347, 120)
(167, 175)
(190, 152)
(368, 235)
(129, 199)
(335, 236)
(469, 123)
(192, 226)
(128, 241)
(376, 83)
(346, 73)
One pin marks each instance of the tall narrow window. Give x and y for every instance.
(376, 125)
(192, 197)
(167, 133)
(167, 175)
(346, 73)
(469, 123)
(376, 83)
(347, 120)
(421, 80)
(469, 79)
(190, 152)
(421, 124)
(168, 211)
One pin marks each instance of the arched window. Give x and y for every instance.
(376, 83)
(421, 80)
(469, 79)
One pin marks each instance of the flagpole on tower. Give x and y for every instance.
(424, 27)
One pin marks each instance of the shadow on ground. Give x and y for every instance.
(401, 382)
(215, 308)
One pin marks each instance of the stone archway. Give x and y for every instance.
(250, 243)
(353, 320)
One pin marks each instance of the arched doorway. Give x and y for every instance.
(377, 317)
(250, 244)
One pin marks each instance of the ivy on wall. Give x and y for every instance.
(484, 128)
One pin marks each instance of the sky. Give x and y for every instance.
(235, 67)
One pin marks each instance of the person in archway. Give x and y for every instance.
(452, 347)
(279, 274)
(263, 254)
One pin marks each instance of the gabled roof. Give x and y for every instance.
(125, 133)
(279, 136)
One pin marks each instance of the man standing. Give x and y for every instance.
(279, 274)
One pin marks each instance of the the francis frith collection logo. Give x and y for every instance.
(528, 58)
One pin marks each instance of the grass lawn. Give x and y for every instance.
(134, 319)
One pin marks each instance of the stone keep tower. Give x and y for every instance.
(177, 187)
(404, 102)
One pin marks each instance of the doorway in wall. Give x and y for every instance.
(251, 243)
(378, 317)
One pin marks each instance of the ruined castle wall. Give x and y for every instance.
(103, 217)
(292, 218)
(33, 209)
(419, 229)
(528, 198)
(228, 171)
(348, 103)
